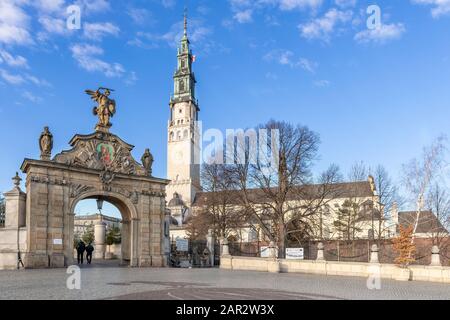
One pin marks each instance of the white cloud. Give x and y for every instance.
(323, 27)
(37, 81)
(299, 4)
(10, 60)
(15, 79)
(345, 3)
(244, 10)
(307, 65)
(86, 56)
(198, 35)
(439, 7)
(50, 6)
(31, 97)
(131, 79)
(89, 7)
(96, 31)
(381, 34)
(287, 58)
(54, 25)
(168, 3)
(140, 16)
(322, 83)
(14, 24)
(271, 76)
(243, 16)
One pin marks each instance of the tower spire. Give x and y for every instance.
(185, 21)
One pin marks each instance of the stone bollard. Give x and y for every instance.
(225, 248)
(435, 258)
(320, 256)
(374, 254)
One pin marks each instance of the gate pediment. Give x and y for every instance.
(101, 151)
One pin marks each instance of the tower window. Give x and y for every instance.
(181, 111)
(181, 85)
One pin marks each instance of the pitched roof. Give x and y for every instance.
(338, 190)
(428, 222)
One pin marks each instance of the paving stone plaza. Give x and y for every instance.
(107, 281)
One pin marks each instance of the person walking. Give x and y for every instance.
(89, 250)
(81, 247)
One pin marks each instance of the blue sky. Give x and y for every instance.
(375, 96)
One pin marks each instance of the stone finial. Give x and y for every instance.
(435, 257)
(374, 254)
(46, 144)
(16, 179)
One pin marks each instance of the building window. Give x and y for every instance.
(185, 134)
(371, 234)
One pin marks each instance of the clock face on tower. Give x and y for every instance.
(178, 156)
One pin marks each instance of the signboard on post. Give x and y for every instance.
(182, 245)
(265, 252)
(294, 253)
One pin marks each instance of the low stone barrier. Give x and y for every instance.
(354, 269)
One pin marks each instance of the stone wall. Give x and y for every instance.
(13, 239)
(355, 269)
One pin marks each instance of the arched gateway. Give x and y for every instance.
(99, 166)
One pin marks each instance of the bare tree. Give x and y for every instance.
(438, 200)
(388, 197)
(219, 201)
(278, 198)
(309, 222)
(358, 172)
(418, 175)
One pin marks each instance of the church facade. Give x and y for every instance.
(184, 195)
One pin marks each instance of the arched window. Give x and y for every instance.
(179, 135)
(171, 136)
(185, 134)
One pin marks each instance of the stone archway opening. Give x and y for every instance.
(100, 222)
(121, 213)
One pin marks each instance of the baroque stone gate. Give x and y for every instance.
(39, 226)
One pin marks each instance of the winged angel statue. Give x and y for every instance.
(106, 107)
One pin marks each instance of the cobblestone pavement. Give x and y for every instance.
(110, 282)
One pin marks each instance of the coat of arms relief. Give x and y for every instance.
(101, 151)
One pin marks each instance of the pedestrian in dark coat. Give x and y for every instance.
(89, 250)
(81, 247)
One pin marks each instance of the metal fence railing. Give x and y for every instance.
(352, 251)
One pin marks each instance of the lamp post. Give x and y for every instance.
(100, 207)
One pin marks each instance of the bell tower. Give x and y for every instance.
(183, 164)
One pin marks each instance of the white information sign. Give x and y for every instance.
(294, 253)
(182, 245)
